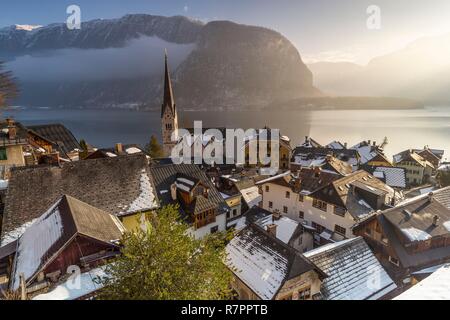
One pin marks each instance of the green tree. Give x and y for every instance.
(166, 263)
(154, 149)
(8, 88)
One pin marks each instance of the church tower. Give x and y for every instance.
(169, 117)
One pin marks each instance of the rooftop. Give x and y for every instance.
(350, 264)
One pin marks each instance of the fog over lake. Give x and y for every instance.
(404, 128)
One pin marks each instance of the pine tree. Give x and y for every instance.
(166, 263)
(154, 149)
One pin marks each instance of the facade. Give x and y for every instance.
(418, 170)
(330, 203)
(169, 115)
(13, 138)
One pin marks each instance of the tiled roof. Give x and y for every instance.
(393, 176)
(120, 186)
(414, 217)
(59, 134)
(350, 264)
(42, 241)
(263, 262)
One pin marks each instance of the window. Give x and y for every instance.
(234, 212)
(339, 229)
(288, 194)
(322, 205)
(214, 229)
(270, 204)
(339, 211)
(318, 227)
(301, 198)
(285, 209)
(394, 261)
(267, 189)
(228, 215)
(304, 294)
(300, 240)
(3, 154)
(301, 215)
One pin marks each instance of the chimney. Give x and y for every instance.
(272, 230)
(374, 143)
(317, 171)
(435, 220)
(276, 215)
(173, 191)
(430, 196)
(368, 142)
(345, 145)
(12, 130)
(329, 157)
(119, 148)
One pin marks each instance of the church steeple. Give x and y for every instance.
(169, 117)
(169, 101)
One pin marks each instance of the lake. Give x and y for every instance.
(404, 129)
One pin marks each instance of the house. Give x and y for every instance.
(69, 233)
(329, 163)
(247, 218)
(432, 156)
(62, 138)
(418, 170)
(330, 203)
(336, 145)
(413, 235)
(122, 186)
(394, 177)
(354, 272)
(371, 154)
(200, 204)
(266, 268)
(310, 143)
(118, 150)
(13, 138)
(311, 155)
(434, 287)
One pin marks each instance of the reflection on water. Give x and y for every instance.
(404, 128)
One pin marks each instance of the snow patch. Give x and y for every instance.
(414, 234)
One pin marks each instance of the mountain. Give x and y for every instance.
(419, 71)
(119, 63)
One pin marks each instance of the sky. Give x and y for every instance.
(322, 30)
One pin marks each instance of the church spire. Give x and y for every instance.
(169, 101)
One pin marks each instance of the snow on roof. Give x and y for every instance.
(378, 174)
(16, 233)
(395, 177)
(414, 234)
(444, 167)
(251, 196)
(69, 289)
(111, 155)
(446, 225)
(434, 287)
(48, 229)
(146, 198)
(284, 174)
(133, 150)
(335, 145)
(258, 265)
(3, 184)
(354, 273)
(285, 227)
